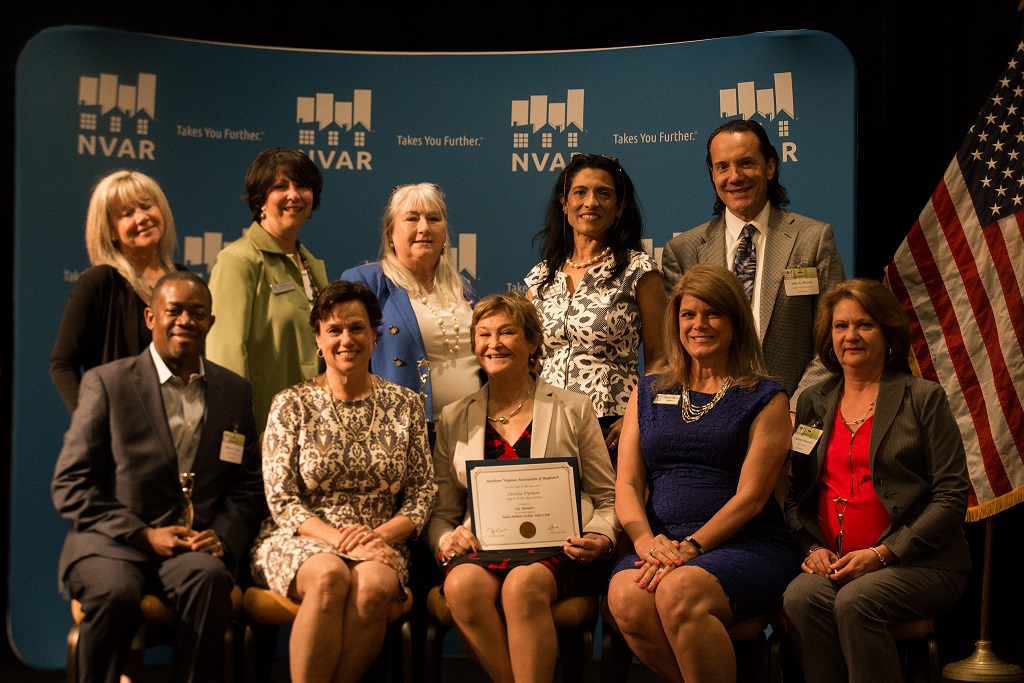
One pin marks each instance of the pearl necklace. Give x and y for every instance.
(334, 409)
(589, 262)
(871, 406)
(503, 419)
(453, 348)
(692, 414)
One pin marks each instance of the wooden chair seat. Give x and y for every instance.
(575, 619)
(264, 611)
(155, 613)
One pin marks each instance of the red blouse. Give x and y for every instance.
(847, 475)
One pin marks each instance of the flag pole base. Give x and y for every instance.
(983, 666)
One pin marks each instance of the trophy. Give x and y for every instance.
(188, 513)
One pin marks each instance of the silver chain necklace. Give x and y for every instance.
(691, 413)
(503, 419)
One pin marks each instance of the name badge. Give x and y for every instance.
(801, 281)
(231, 447)
(667, 399)
(804, 439)
(282, 287)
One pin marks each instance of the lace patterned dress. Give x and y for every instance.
(592, 336)
(313, 467)
(693, 470)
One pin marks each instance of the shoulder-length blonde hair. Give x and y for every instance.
(126, 188)
(450, 286)
(720, 289)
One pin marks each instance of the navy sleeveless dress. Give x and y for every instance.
(693, 470)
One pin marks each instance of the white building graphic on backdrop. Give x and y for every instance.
(538, 118)
(323, 119)
(770, 104)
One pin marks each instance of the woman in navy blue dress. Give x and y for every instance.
(701, 449)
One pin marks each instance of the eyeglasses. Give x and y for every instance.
(840, 513)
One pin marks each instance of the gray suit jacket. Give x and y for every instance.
(918, 468)
(564, 425)
(787, 329)
(118, 470)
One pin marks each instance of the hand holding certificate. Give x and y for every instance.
(529, 503)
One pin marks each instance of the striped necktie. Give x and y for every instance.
(745, 262)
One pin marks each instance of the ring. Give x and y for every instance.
(651, 552)
(364, 534)
(614, 444)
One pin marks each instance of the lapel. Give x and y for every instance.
(211, 434)
(778, 245)
(476, 426)
(712, 246)
(890, 397)
(404, 305)
(147, 388)
(543, 408)
(824, 401)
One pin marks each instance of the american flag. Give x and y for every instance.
(959, 275)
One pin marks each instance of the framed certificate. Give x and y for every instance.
(526, 503)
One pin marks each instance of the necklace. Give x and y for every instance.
(358, 438)
(591, 261)
(692, 414)
(503, 419)
(852, 423)
(451, 344)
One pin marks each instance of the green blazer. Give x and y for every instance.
(262, 316)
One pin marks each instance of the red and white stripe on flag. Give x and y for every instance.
(959, 274)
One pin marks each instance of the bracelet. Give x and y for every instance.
(880, 558)
(812, 551)
(693, 541)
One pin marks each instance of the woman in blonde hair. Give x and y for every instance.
(424, 342)
(129, 234)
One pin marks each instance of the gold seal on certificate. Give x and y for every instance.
(527, 503)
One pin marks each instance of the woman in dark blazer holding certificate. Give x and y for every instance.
(500, 599)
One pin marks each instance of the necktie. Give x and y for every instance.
(745, 262)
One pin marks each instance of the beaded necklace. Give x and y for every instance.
(591, 261)
(692, 414)
(451, 344)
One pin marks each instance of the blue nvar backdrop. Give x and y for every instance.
(493, 130)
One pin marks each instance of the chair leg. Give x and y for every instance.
(260, 647)
(616, 657)
(576, 650)
(434, 650)
(72, 659)
(933, 660)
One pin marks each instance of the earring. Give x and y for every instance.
(832, 354)
(890, 354)
(319, 352)
(263, 215)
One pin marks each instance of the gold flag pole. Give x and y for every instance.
(983, 665)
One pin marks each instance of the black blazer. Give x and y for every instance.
(118, 470)
(918, 468)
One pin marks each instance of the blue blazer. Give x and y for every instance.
(401, 345)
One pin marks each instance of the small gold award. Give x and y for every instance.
(527, 530)
(188, 480)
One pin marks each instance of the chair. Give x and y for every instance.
(915, 640)
(753, 659)
(264, 612)
(155, 613)
(575, 621)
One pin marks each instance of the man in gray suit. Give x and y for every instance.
(753, 235)
(141, 424)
